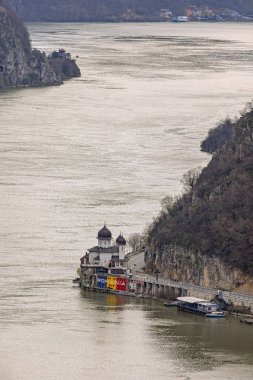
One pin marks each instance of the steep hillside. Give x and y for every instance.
(20, 65)
(109, 10)
(213, 220)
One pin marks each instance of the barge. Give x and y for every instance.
(197, 306)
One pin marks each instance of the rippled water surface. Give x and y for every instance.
(107, 147)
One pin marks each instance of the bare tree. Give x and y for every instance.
(134, 241)
(167, 203)
(189, 179)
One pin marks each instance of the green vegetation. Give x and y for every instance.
(215, 214)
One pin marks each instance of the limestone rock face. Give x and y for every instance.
(183, 265)
(65, 67)
(20, 65)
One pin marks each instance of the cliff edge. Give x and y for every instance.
(20, 65)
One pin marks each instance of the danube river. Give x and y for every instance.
(107, 147)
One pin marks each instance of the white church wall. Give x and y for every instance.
(122, 252)
(105, 258)
(104, 243)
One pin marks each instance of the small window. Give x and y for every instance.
(1, 69)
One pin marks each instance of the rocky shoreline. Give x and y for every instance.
(20, 65)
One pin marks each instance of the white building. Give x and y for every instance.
(165, 15)
(106, 253)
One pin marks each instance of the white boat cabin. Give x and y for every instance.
(197, 305)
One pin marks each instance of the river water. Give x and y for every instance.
(107, 147)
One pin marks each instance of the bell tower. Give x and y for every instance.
(121, 243)
(104, 237)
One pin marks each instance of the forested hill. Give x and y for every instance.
(215, 215)
(109, 10)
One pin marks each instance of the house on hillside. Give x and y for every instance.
(194, 12)
(229, 14)
(61, 53)
(166, 15)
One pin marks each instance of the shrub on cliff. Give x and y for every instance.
(215, 216)
(218, 136)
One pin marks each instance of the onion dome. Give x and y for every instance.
(121, 240)
(104, 233)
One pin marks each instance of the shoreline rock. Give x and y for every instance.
(20, 65)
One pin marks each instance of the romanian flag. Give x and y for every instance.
(111, 282)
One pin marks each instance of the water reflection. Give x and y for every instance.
(188, 344)
(201, 344)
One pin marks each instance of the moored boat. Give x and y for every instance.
(170, 304)
(77, 281)
(247, 321)
(215, 314)
(180, 19)
(196, 305)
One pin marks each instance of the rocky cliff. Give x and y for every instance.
(20, 65)
(180, 264)
(111, 10)
(206, 236)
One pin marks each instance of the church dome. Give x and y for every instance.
(121, 240)
(104, 233)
